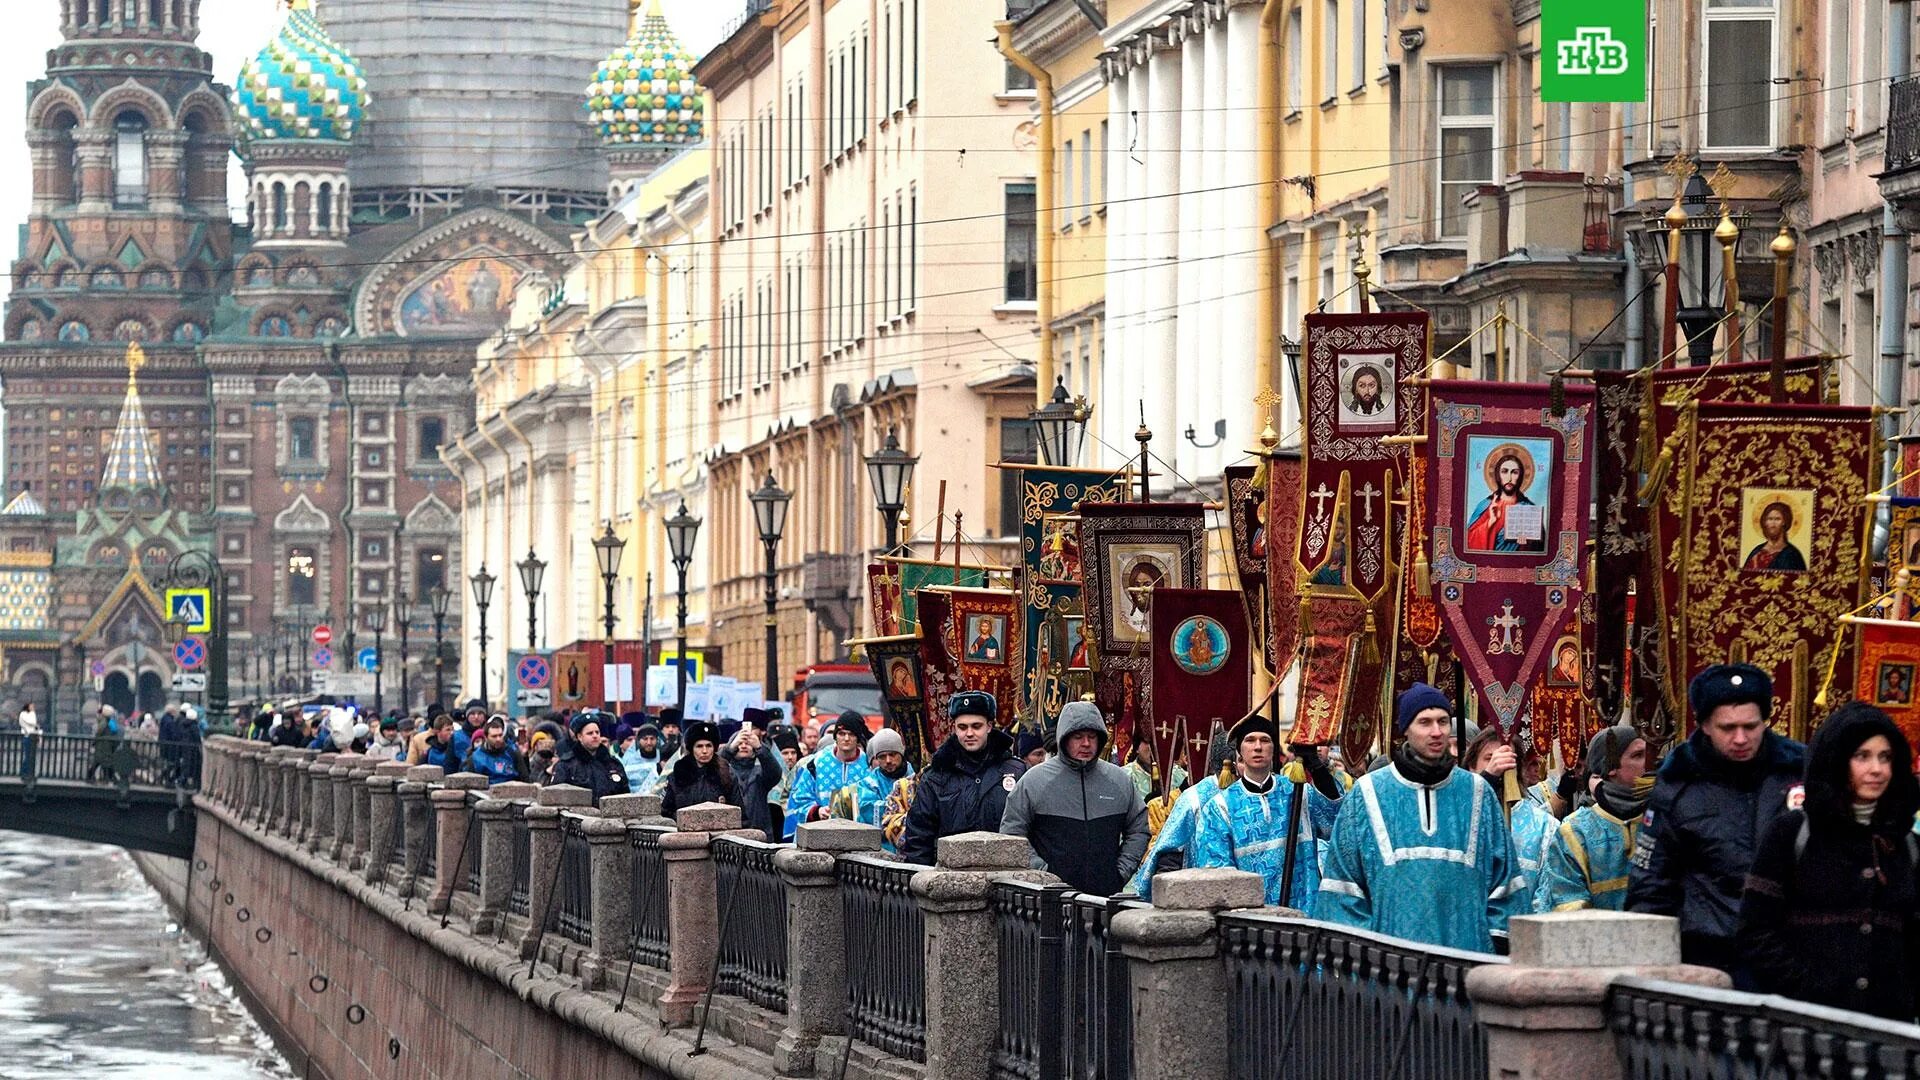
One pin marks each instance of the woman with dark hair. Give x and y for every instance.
(1828, 915)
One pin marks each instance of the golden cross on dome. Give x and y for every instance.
(1680, 168)
(1723, 182)
(136, 359)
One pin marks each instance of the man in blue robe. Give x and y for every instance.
(831, 769)
(1421, 850)
(1587, 865)
(1535, 819)
(1173, 846)
(1245, 825)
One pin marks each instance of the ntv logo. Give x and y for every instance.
(1593, 50)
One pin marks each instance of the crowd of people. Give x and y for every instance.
(164, 749)
(1793, 869)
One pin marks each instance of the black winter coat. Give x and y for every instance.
(960, 792)
(752, 782)
(692, 783)
(1698, 839)
(599, 772)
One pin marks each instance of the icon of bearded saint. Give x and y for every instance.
(1776, 554)
(1363, 392)
(1508, 477)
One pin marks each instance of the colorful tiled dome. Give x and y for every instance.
(644, 94)
(301, 86)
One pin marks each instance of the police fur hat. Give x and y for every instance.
(702, 731)
(1729, 684)
(784, 737)
(973, 703)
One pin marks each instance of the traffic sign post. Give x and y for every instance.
(192, 608)
(190, 653)
(531, 682)
(369, 659)
(323, 658)
(323, 635)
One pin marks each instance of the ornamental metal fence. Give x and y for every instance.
(1668, 1031)
(520, 899)
(575, 920)
(886, 937)
(648, 901)
(753, 922)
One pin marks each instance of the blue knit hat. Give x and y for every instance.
(1418, 699)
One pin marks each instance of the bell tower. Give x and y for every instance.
(129, 237)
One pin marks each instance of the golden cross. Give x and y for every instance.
(1680, 168)
(136, 358)
(1723, 182)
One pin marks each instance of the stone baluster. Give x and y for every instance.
(413, 794)
(383, 818)
(251, 799)
(816, 947)
(339, 786)
(1173, 958)
(273, 777)
(543, 838)
(1545, 1010)
(496, 814)
(962, 958)
(359, 798)
(319, 834)
(452, 820)
(299, 816)
(611, 889)
(693, 917)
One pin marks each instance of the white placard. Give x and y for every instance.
(663, 687)
(699, 702)
(617, 682)
(1524, 522)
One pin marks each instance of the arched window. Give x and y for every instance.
(130, 159)
(279, 208)
(63, 181)
(188, 331)
(102, 12)
(323, 209)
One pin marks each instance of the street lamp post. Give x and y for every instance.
(440, 598)
(402, 617)
(682, 529)
(890, 471)
(532, 572)
(377, 622)
(200, 570)
(1702, 284)
(608, 548)
(770, 514)
(482, 596)
(1062, 427)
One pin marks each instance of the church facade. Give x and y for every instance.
(303, 369)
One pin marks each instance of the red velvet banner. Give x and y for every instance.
(1285, 470)
(1771, 548)
(1509, 529)
(1131, 550)
(1202, 671)
(896, 665)
(940, 672)
(1247, 522)
(883, 598)
(988, 637)
(1889, 663)
(1050, 552)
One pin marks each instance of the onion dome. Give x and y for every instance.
(301, 86)
(644, 94)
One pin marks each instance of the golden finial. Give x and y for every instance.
(1723, 182)
(136, 359)
(1265, 400)
(1783, 245)
(1680, 168)
(1726, 232)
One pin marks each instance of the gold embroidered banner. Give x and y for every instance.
(1050, 553)
(1889, 663)
(1132, 549)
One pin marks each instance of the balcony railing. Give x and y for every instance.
(1666, 1031)
(1903, 124)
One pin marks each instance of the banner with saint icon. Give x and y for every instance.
(883, 599)
(1508, 527)
(1773, 546)
(1557, 710)
(1902, 585)
(895, 662)
(1202, 672)
(1131, 550)
(988, 634)
(1050, 499)
(1889, 663)
(912, 575)
(940, 674)
(1285, 471)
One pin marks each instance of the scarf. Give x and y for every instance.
(1626, 802)
(1419, 770)
(1863, 811)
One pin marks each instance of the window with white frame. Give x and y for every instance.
(1086, 174)
(1105, 145)
(1837, 90)
(1466, 140)
(1357, 54)
(1066, 186)
(1296, 62)
(1022, 279)
(1018, 80)
(1737, 91)
(1330, 50)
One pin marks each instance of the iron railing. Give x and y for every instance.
(885, 936)
(648, 901)
(1673, 1032)
(397, 855)
(576, 883)
(1031, 923)
(473, 842)
(1099, 1027)
(1297, 987)
(1903, 124)
(520, 900)
(753, 922)
(430, 844)
(83, 759)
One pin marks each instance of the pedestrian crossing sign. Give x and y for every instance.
(191, 607)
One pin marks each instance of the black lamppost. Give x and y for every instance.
(1062, 427)
(682, 528)
(532, 572)
(608, 548)
(890, 471)
(377, 622)
(1702, 280)
(200, 570)
(440, 599)
(482, 596)
(403, 618)
(770, 514)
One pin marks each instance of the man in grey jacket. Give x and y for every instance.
(1083, 816)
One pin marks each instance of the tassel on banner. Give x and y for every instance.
(1370, 656)
(1557, 395)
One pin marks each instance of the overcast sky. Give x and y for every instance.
(232, 30)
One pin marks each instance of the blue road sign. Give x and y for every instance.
(322, 658)
(190, 653)
(368, 659)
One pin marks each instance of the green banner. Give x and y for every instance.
(1593, 50)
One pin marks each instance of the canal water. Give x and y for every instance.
(97, 981)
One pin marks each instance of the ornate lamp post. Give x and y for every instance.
(440, 599)
(770, 514)
(403, 619)
(482, 596)
(532, 572)
(377, 622)
(607, 549)
(1062, 426)
(890, 472)
(682, 529)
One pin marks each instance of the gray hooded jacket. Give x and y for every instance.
(1086, 821)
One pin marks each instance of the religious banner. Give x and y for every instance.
(895, 662)
(573, 678)
(1508, 522)
(989, 627)
(1889, 662)
(1334, 662)
(1202, 672)
(940, 674)
(917, 574)
(1358, 391)
(883, 599)
(1131, 550)
(1638, 413)
(1772, 546)
(1247, 532)
(1050, 554)
(1901, 585)
(1062, 665)
(1285, 470)
(1559, 716)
